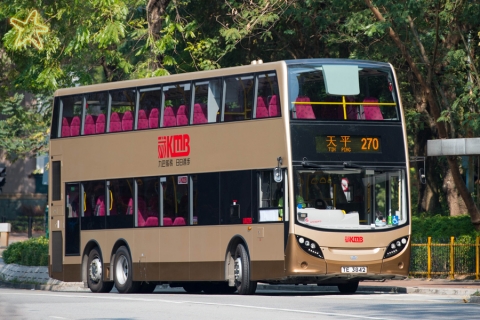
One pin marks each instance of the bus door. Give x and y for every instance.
(56, 212)
(73, 205)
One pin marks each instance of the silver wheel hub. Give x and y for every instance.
(95, 270)
(121, 270)
(238, 270)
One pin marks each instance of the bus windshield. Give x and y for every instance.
(350, 198)
(342, 92)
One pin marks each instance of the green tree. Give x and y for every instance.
(24, 128)
(110, 40)
(430, 37)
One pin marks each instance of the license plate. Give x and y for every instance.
(354, 269)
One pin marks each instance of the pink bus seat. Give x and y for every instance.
(372, 112)
(182, 116)
(142, 120)
(153, 118)
(169, 119)
(141, 211)
(304, 111)
(151, 222)
(167, 221)
(127, 121)
(90, 124)
(100, 207)
(273, 106)
(179, 221)
(66, 126)
(116, 122)
(100, 124)
(204, 108)
(75, 126)
(198, 114)
(262, 111)
(129, 207)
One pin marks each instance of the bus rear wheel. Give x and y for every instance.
(348, 288)
(95, 273)
(123, 272)
(242, 272)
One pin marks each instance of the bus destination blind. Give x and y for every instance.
(348, 144)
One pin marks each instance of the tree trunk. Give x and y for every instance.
(435, 113)
(451, 194)
(155, 11)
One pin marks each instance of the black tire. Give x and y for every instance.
(123, 272)
(348, 288)
(242, 272)
(193, 287)
(95, 273)
(147, 287)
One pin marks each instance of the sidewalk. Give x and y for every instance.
(22, 277)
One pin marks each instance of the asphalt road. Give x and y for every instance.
(176, 304)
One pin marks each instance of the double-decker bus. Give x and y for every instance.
(289, 172)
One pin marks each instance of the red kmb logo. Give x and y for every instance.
(353, 239)
(173, 146)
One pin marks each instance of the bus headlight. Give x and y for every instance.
(310, 247)
(395, 247)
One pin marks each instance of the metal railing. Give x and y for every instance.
(449, 258)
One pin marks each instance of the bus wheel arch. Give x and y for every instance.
(229, 260)
(94, 270)
(86, 251)
(123, 271)
(119, 243)
(238, 266)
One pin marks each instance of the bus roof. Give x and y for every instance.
(258, 67)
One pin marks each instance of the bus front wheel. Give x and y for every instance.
(123, 272)
(242, 271)
(95, 273)
(349, 287)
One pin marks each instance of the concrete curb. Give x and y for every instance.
(315, 288)
(61, 287)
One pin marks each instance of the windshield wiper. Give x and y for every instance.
(350, 165)
(307, 164)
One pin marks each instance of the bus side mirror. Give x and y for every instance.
(277, 172)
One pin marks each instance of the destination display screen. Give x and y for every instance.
(348, 144)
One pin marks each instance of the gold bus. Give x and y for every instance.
(289, 172)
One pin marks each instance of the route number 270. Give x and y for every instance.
(369, 143)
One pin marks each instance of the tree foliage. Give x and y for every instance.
(431, 43)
